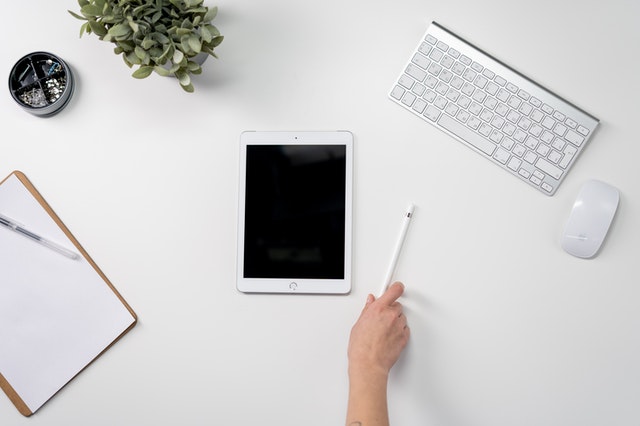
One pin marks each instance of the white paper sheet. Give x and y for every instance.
(56, 314)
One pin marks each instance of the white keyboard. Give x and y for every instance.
(503, 115)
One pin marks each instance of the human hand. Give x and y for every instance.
(379, 335)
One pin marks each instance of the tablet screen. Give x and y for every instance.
(295, 211)
(294, 217)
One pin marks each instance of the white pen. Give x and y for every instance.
(10, 224)
(396, 252)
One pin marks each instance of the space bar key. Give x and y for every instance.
(467, 134)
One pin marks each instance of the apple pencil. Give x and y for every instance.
(396, 252)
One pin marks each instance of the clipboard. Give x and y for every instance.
(57, 314)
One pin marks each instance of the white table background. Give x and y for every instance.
(507, 329)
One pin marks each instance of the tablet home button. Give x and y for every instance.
(293, 286)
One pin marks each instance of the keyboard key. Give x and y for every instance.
(514, 102)
(397, 92)
(546, 187)
(485, 129)
(569, 152)
(536, 180)
(469, 74)
(440, 102)
(436, 55)
(458, 68)
(406, 82)
(512, 88)
(537, 116)
(500, 81)
(503, 95)
(419, 106)
(473, 122)
(558, 116)
(418, 89)
(434, 69)
(492, 88)
(559, 129)
(530, 157)
(465, 60)
(431, 81)
(415, 72)
(488, 73)
(514, 164)
(442, 46)
(554, 156)
(583, 130)
(431, 39)
(463, 101)
(502, 155)
(546, 108)
(430, 96)
(477, 67)
(447, 61)
(425, 49)
(467, 135)
(432, 113)
(408, 99)
(549, 168)
(548, 122)
(574, 138)
(453, 52)
(463, 116)
(519, 150)
(420, 61)
(451, 109)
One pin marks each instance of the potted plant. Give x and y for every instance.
(170, 37)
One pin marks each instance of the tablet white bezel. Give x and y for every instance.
(295, 285)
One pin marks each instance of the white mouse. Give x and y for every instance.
(590, 218)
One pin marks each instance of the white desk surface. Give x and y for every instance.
(507, 329)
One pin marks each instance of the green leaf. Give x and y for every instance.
(140, 53)
(183, 78)
(148, 42)
(194, 67)
(90, 10)
(194, 43)
(211, 14)
(206, 34)
(213, 30)
(161, 71)
(178, 56)
(84, 28)
(142, 72)
(119, 30)
(188, 88)
(216, 41)
(98, 28)
(184, 43)
(75, 15)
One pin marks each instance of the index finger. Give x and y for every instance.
(392, 294)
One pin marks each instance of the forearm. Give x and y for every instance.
(367, 399)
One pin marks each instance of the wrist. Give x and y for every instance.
(368, 373)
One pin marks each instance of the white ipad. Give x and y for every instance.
(295, 210)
